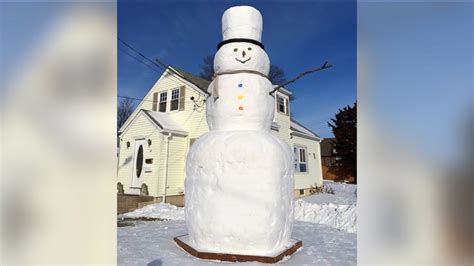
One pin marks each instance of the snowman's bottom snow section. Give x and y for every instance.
(239, 193)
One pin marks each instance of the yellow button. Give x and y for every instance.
(240, 97)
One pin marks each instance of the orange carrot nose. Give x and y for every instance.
(243, 53)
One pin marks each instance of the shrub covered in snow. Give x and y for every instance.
(324, 189)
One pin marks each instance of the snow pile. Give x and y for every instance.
(157, 211)
(337, 210)
(342, 188)
(342, 217)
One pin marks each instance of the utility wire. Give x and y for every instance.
(142, 55)
(158, 63)
(140, 61)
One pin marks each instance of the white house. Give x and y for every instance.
(154, 141)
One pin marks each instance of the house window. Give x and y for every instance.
(301, 164)
(174, 99)
(282, 105)
(301, 191)
(139, 162)
(163, 98)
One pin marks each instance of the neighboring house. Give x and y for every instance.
(154, 141)
(328, 158)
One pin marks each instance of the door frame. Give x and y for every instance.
(138, 180)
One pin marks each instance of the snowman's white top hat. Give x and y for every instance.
(242, 24)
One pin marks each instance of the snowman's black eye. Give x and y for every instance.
(250, 48)
(235, 49)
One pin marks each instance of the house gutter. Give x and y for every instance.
(296, 133)
(165, 179)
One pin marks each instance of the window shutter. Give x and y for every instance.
(182, 97)
(286, 106)
(191, 141)
(155, 101)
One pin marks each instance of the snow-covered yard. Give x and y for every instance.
(326, 223)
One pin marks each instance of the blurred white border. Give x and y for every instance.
(58, 135)
(415, 85)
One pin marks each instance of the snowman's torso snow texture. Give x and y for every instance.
(243, 103)
(239, 177)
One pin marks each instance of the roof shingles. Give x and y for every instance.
(201, 83)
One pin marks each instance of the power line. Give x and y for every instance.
(161, 66)
(140, 61)
(142, 55)
(121, 96)
(158, 63)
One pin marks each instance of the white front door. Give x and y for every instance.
(138, 165)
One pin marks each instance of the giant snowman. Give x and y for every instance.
(239, 177)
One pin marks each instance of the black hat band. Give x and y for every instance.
(240, 40)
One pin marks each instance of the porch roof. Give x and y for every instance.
(165, 122)
(299, 128)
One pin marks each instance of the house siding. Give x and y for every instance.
(193, 120)
(176, 165)
(313, 177)
(283, 121)
(142, 127)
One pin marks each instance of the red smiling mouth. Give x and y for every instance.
(245, 61)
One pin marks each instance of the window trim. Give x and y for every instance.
(165, 101)
(285, 104)
(297, 152)
(278, 104)
(177, 99)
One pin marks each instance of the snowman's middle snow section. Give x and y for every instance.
(239, 177)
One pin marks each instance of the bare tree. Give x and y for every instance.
(207, 67)
(124, 110)
(276, 74)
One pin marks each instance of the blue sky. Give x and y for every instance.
(416, 74)
(297, 36)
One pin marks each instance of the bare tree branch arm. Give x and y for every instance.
(324, 66)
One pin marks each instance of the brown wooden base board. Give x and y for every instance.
(236, 257)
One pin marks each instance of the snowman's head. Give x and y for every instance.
(241, 56)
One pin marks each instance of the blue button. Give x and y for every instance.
(240, 85)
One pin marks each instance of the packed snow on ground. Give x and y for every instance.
(151, 243)
(325, 222)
